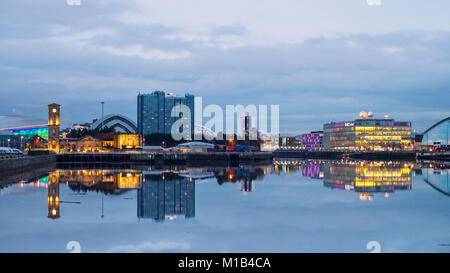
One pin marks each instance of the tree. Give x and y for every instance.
(82, 132)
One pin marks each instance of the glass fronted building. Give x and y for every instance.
(368, 134)
(29, 132)
(154, 112)
(437, 136)
(24, 127)
(289, 142)
(312, 141)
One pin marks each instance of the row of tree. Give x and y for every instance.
(166, 140)
(79, 133)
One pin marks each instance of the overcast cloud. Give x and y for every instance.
(320, 60)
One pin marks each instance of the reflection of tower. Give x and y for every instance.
(190, 198)
(53, 196)
(247, 185)
(161, 198)
(53, 127)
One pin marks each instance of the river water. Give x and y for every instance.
(288, 206)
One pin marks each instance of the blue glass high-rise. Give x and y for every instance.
(154, 112)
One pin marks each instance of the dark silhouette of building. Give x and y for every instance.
(165, 196)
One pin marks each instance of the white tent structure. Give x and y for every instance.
(196, 147)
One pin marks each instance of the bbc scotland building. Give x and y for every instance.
(154, 112)
(368, 134)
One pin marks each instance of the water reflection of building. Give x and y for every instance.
(368, 178)
(101, 179)
(53, 196)
(285, 166)
(106, 181)
(438, 176)
(165, 195)
(245, 176)
(312, 169)
(247, 185)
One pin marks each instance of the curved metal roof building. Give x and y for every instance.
(118, 122)
(438, 134)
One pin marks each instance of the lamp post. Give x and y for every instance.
(103, 106)
(103, 215)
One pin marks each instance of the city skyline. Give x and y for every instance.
(319, 67)
(224, 135)
(10, 119)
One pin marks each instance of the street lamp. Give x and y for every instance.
(103, 106)
(103, 215)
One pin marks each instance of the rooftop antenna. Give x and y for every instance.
(103, 106)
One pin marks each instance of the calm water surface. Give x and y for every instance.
(290, 206)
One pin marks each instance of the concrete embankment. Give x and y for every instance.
(310, 154)
(221, 158)
(212, 158)
(398, 156)
(21, 166)
(333, 155)
(439, 156)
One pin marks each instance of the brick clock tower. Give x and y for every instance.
(53, 196)
(53, 127)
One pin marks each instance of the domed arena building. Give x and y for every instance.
(119, 123)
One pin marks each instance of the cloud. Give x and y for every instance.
(108, 51)
(140, 51)
(236, 29)
(150, 247)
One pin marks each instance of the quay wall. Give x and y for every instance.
(167, 158)
(442, 156)
(310, 154)
(407, 156)
(10, 165)
(333, 155)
